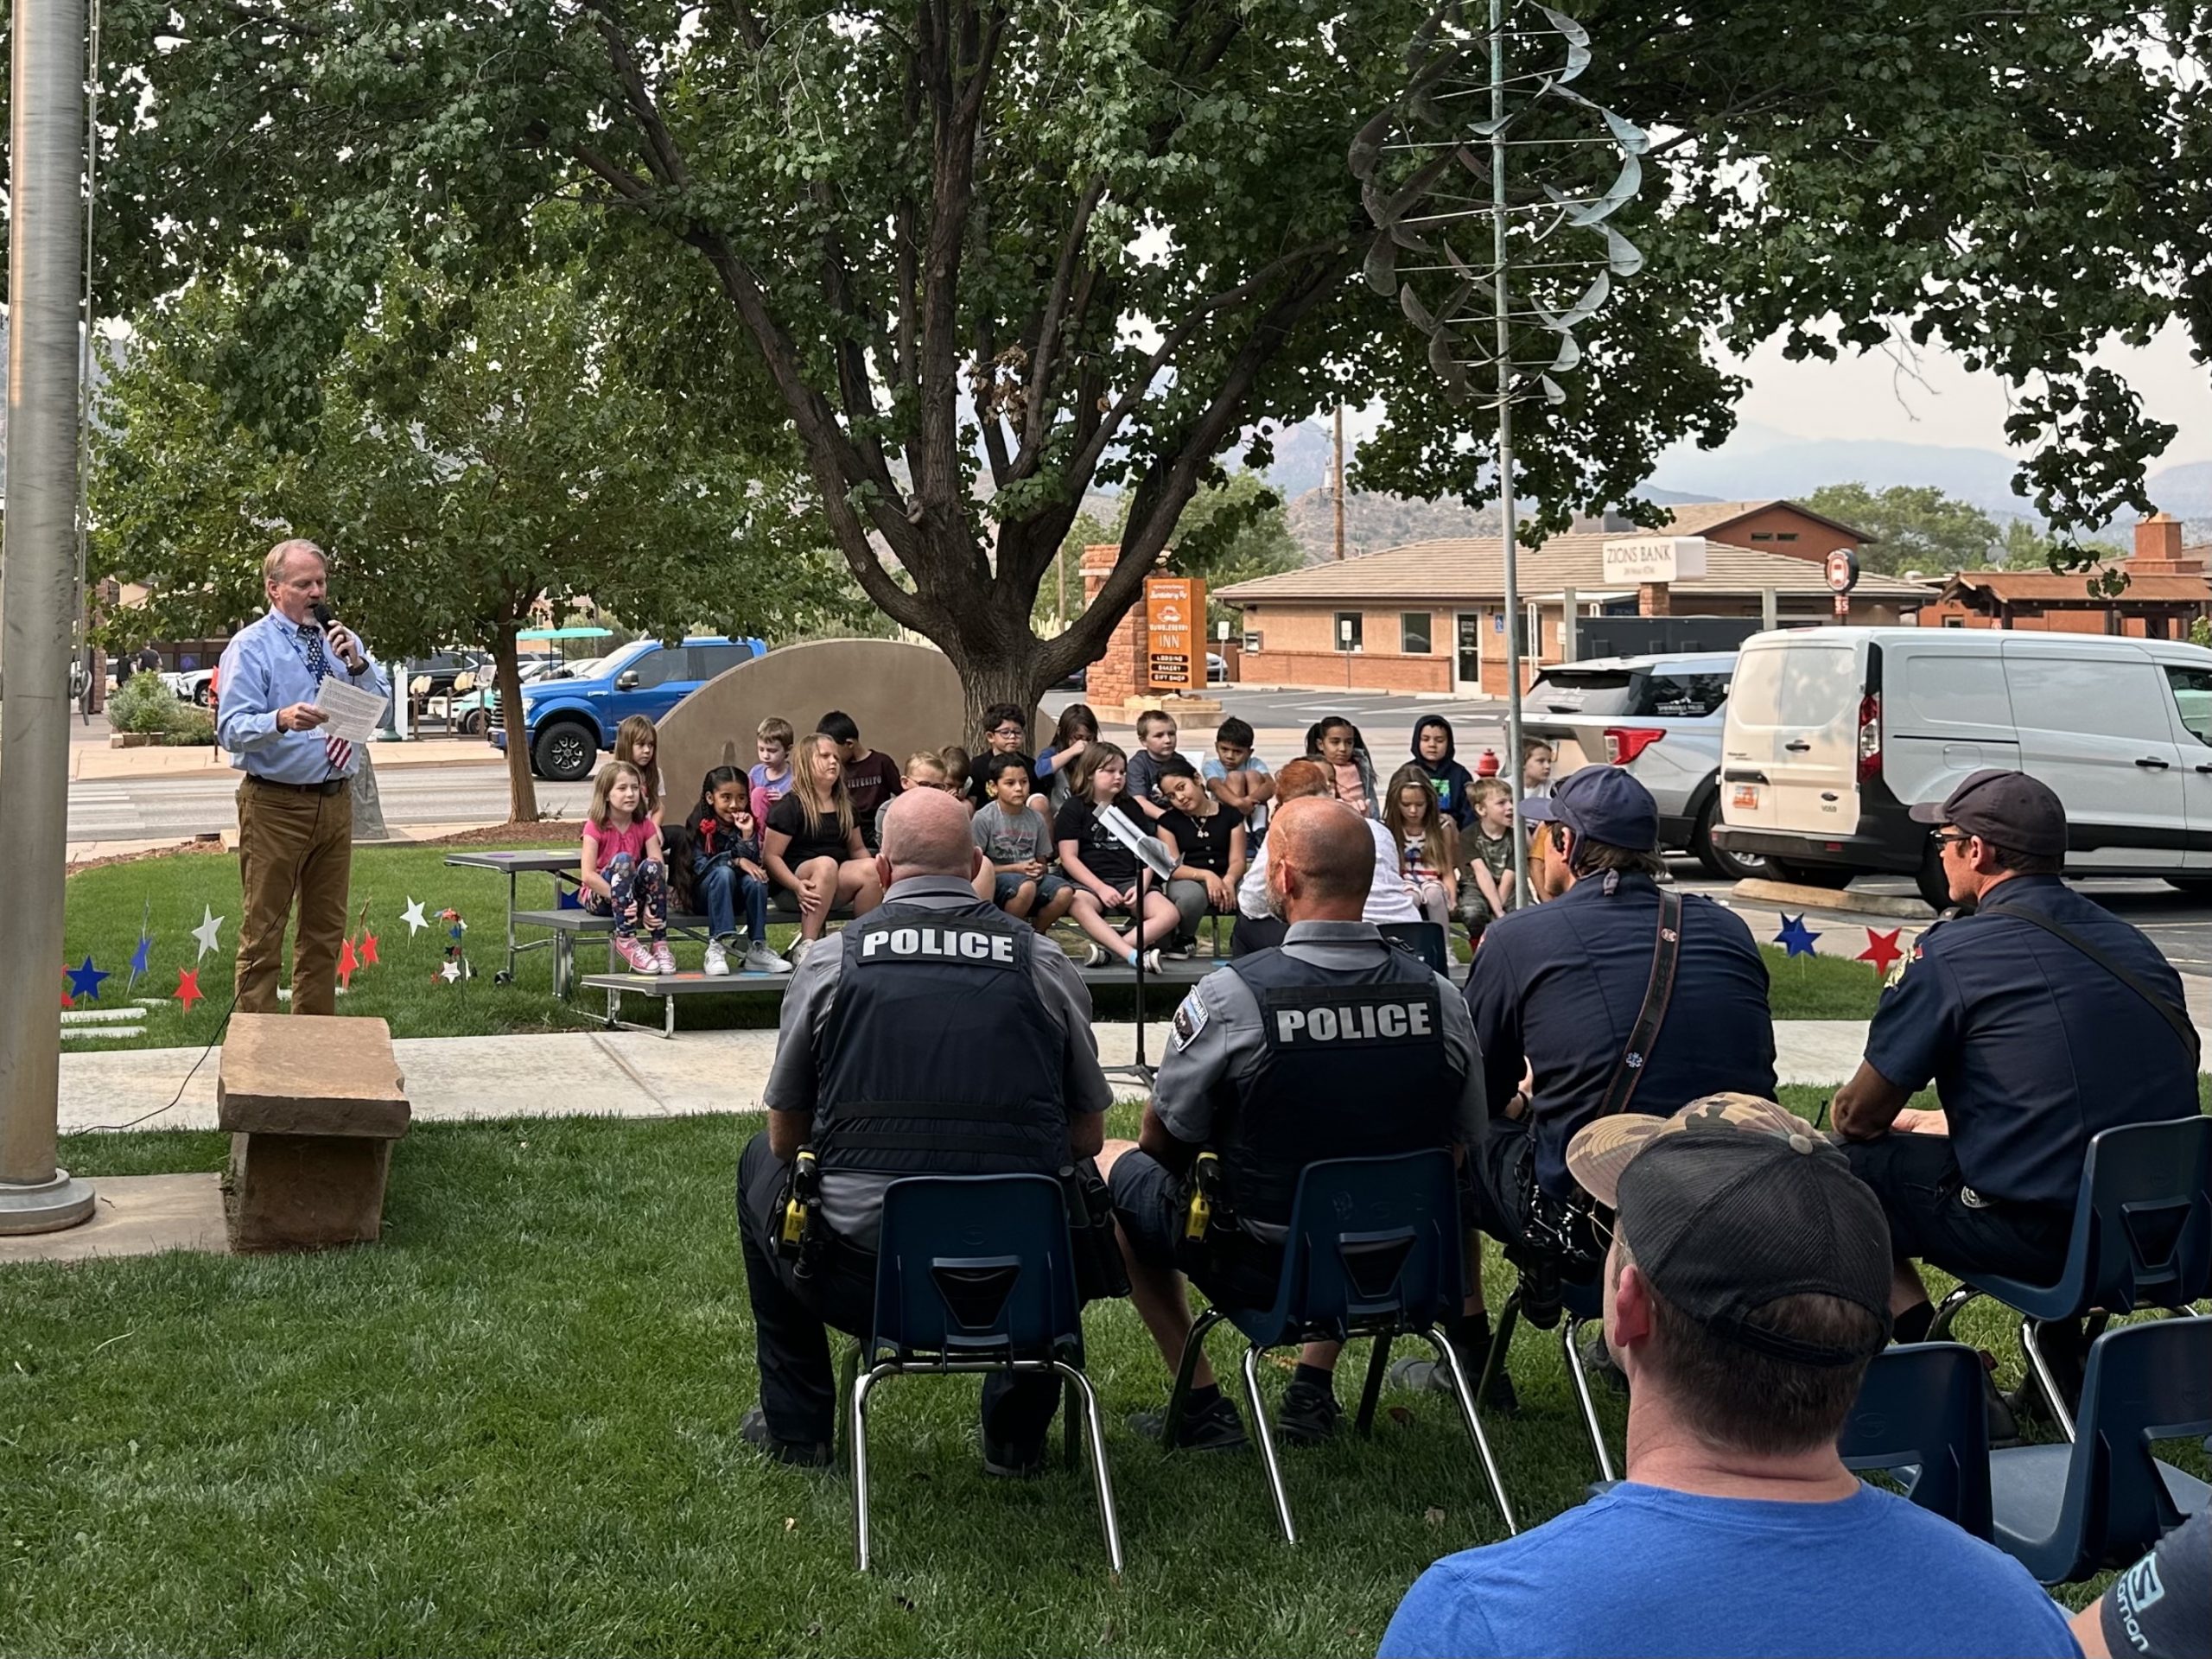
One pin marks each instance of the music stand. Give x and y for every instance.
(1152, 859)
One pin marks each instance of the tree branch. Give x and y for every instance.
(1037, 418)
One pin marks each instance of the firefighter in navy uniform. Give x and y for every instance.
(936, 1038)
(1336, 1044)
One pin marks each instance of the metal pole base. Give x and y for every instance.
(44, 1206)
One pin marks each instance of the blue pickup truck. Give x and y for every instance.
(568, 717)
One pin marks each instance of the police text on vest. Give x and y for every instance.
(1358, 1022)
(958, 944)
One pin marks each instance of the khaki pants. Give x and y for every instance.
(292, 842)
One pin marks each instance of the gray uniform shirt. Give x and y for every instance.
(1218, 1035)
(852, 1200)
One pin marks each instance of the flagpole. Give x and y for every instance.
(39, 599)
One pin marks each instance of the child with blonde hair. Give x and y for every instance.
(814, 846)
(637, 743)
(623, 876)
(1428, 842)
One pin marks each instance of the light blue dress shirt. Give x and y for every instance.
(265, 669)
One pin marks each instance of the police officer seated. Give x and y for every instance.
(938, 1037)
(1336, 1044)
(2033, 1044)
(1557, 993)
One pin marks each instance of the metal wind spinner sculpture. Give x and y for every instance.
(1514, 258)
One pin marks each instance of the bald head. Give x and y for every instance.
(926, 832)
(1320, 860)
(1301, 779)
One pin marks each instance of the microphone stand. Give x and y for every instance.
(1139, 1069)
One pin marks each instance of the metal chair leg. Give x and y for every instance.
(1101, 1476)
(1179, 1396)
(1500, 1340)
(1461, 1392)
(1067, 1430)
(2040, 1368)
(1939, 1328)
(1379, 1366)
(1266, 1439)
(1571, 1329)
(862, 1385)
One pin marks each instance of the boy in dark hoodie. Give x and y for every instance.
(1433, 753)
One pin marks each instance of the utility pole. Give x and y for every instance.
(1501, 310)
(1337, 482)
(39, 597)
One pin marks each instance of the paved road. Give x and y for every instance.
(130, 810)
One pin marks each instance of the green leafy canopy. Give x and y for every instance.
(985, 258)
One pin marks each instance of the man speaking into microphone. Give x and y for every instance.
(296, 807)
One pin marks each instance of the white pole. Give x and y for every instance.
(39, 599)
(1501, 306)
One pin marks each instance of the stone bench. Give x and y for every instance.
(313, 1103)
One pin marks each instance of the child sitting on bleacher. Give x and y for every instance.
(772, 780)
(637, 742)
(622, 873)
(726, 869)
(816, 852)
(1103, 870)
(1012, 839)
(1207, 843)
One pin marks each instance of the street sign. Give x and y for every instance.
(1175, 621)
(1842, 567)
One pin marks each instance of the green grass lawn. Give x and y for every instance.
(512, 1428)
(105, 906)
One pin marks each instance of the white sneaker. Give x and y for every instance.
(797, 952)
(1096, 956)
(717, 962)
(1152, 960)
(761, 959)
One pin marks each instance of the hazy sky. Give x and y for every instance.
(1936, 401)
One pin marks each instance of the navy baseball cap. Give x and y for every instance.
(1600, 803)
(2007, 808)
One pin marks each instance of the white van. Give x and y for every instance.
(1833, 733)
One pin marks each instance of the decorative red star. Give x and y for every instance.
(347, 962)
(67, 1001)
(188, 988)
(368, 950)
(1882, 950)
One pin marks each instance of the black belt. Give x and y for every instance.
(328, 786)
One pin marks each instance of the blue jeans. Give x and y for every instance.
(721, 885)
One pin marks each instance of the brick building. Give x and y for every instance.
(1761, 526)
(2166, 591)
(1431, 616)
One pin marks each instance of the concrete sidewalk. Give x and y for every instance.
(98, 760)
(630, 1074)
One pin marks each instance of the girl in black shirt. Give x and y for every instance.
(1207, 843)
(814, 849)
(1103, 870)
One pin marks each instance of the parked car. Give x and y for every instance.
(473, 712)
(1660, 717)
(444, 667)
(567, 719)
(193, 685)
(1831, 733)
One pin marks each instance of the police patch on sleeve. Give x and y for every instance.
(1190, 1021)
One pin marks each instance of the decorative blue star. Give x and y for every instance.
(84, 981)
(138, 957)
(1795, 937)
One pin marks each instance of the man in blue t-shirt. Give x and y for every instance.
(1746, 1289)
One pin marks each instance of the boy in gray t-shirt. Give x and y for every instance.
(1019, 847)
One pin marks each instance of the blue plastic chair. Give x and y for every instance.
(975, 1273)
(1583, 1304)
(2067, 1512)
(1373, 1250)
(1921, 1415)
(2142, 1239)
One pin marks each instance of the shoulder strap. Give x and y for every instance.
(2166, 1011)
(1666, 952)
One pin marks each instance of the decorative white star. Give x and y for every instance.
(210, 924)
(413, 918)
(451, 972)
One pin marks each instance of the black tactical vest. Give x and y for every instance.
(1352, 1064)
(939, 1058)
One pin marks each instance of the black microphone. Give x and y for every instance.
(323, 616)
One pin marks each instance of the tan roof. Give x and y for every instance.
(1460, 568)
(2047, 586)
(1702, 517)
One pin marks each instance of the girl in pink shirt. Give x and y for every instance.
(623, 875)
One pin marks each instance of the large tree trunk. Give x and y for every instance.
(506, 668)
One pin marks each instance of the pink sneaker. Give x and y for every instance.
(663, 958)
(639, 958)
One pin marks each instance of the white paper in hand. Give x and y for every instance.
(354, 714)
